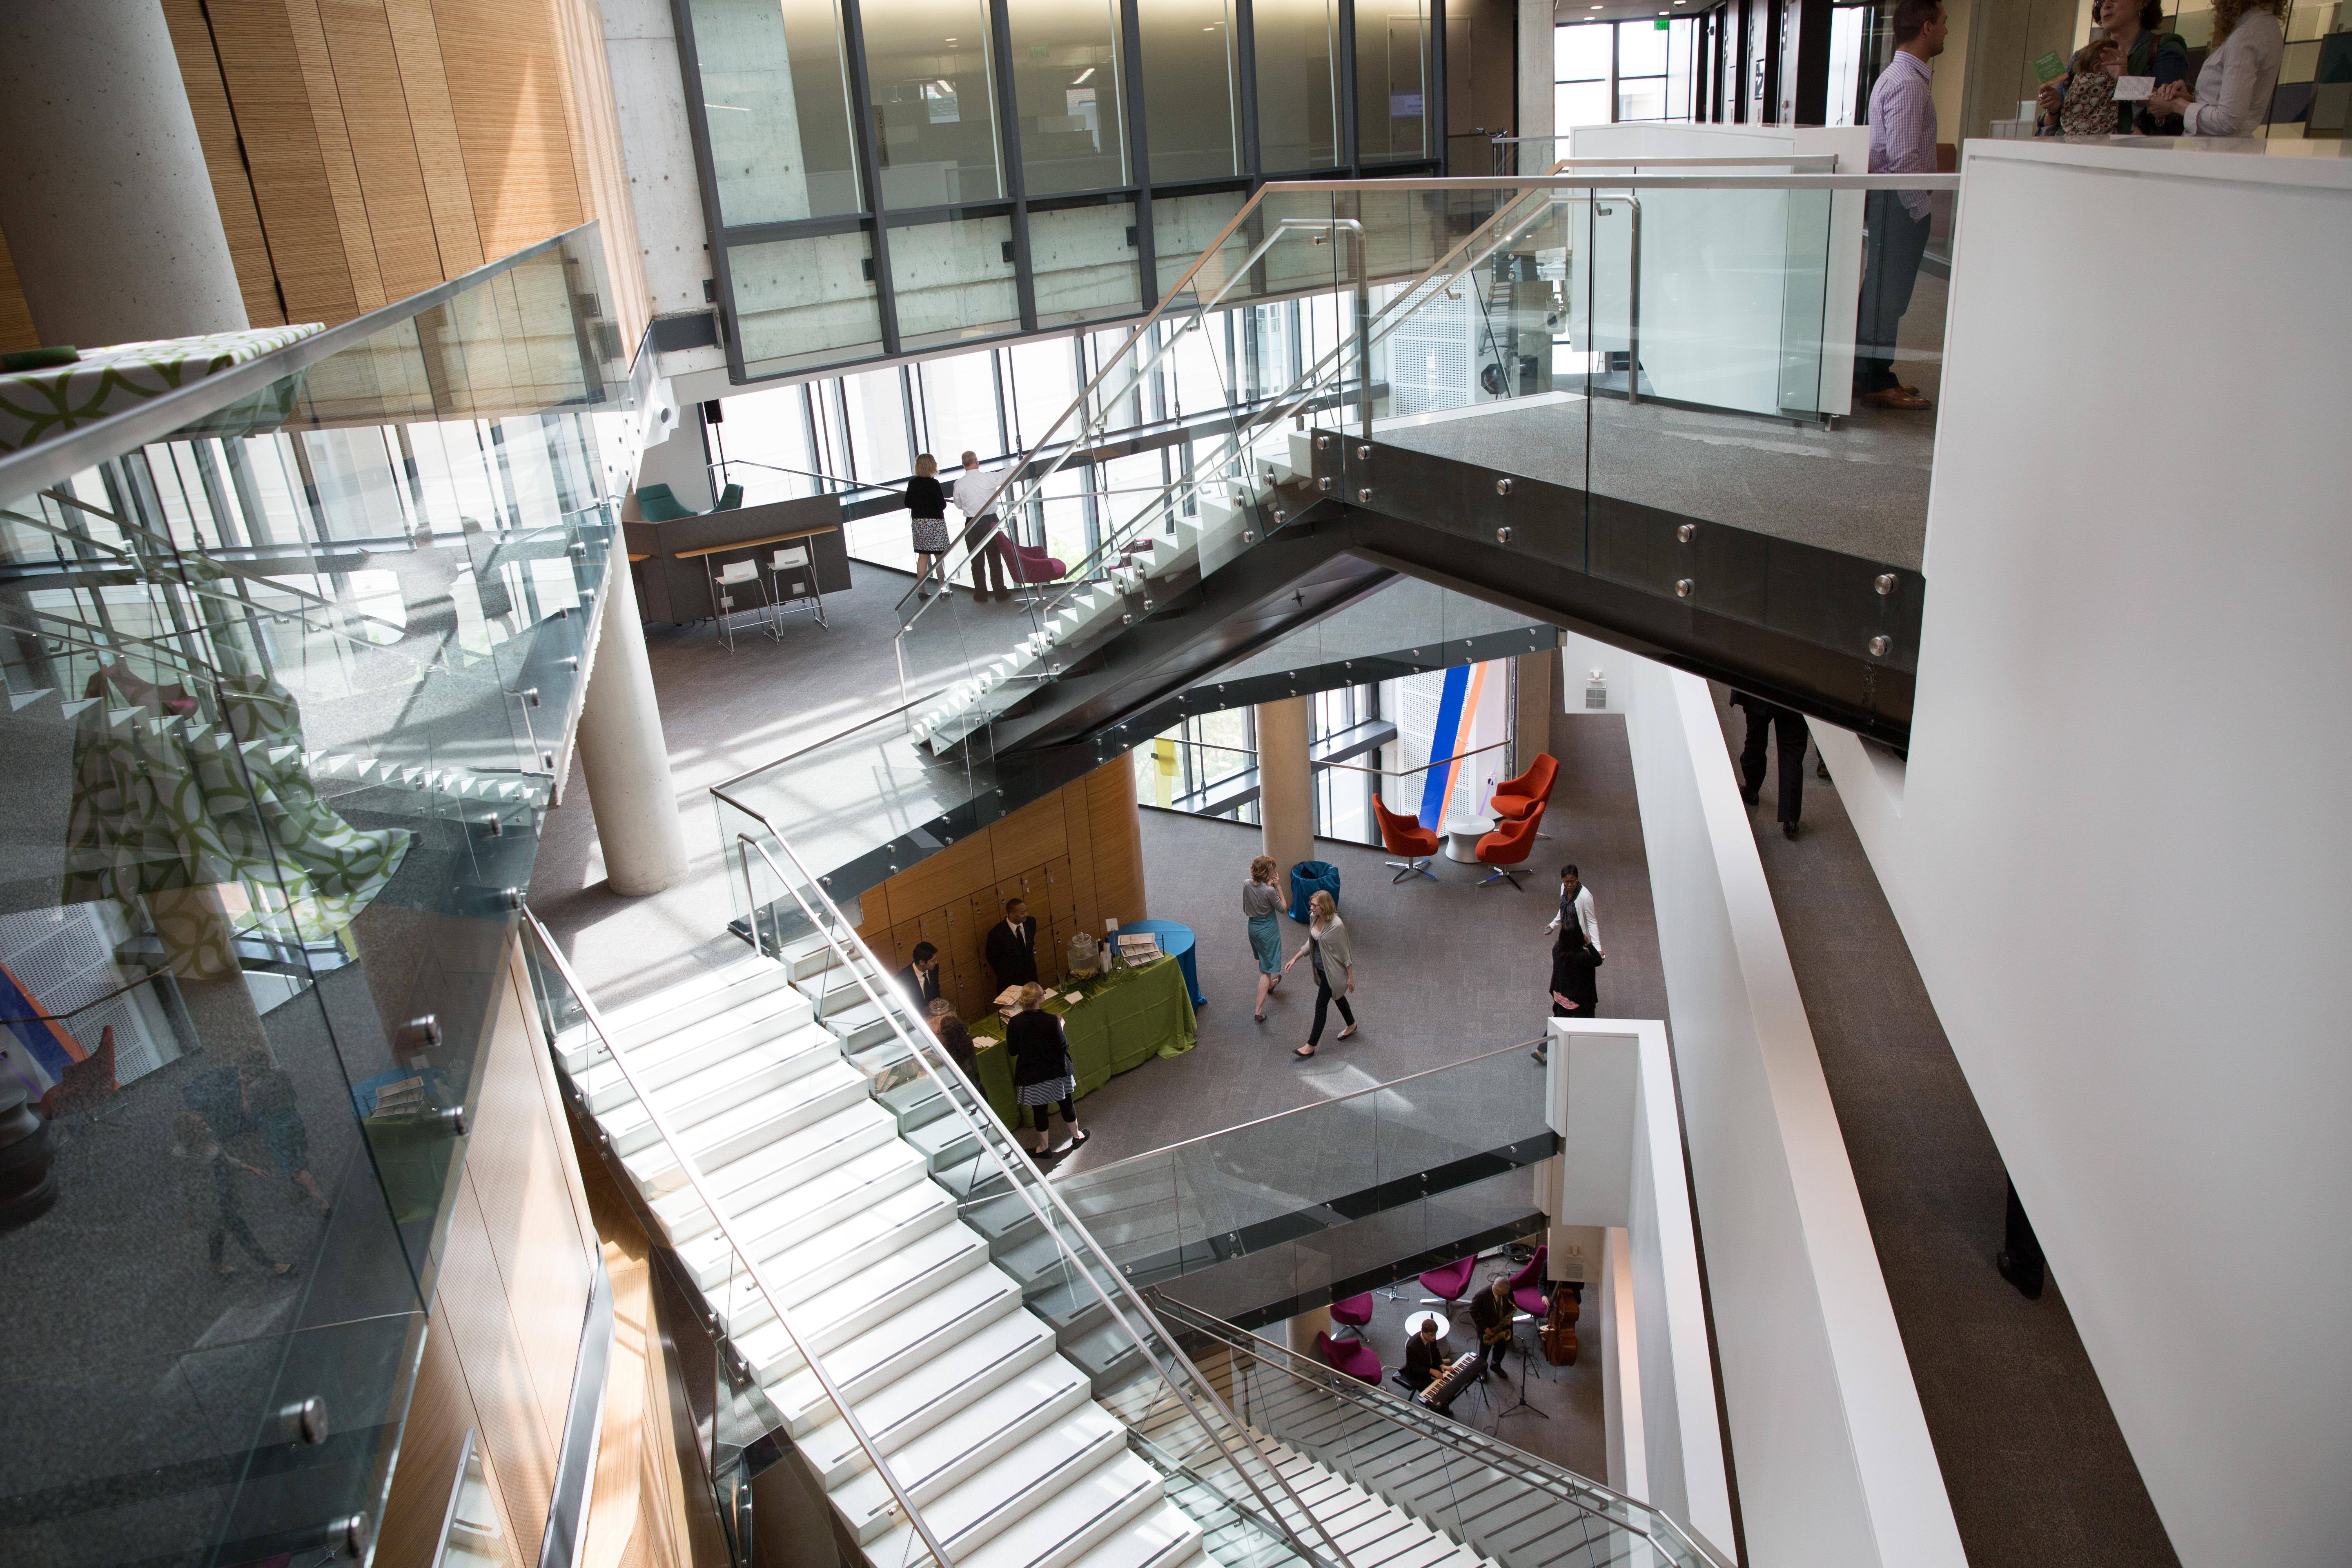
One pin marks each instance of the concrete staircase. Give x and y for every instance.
(985, 1368)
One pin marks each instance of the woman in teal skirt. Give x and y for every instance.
(1262, 902)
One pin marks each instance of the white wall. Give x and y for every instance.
(1828, 1445)
(2119, 848)
(1609, 1087)
(649, 94)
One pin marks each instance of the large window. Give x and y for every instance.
(1611, 72)
(988, 169)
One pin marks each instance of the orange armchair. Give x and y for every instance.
(1515, 798)
(1406, 837)
(1508, 847)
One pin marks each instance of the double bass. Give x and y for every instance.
(1559, 1325)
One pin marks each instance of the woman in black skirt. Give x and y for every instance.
(1043, 1073)
(928, 504)
(1575, 991)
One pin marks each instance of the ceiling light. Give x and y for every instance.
(1083, 75)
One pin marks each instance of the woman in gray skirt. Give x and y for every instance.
(1262, 900)
(1043, 1073)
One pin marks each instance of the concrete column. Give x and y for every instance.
(1532, 708)
(1535, 29)
(104, 195)
(1286, 785)
(625, 760)
(1299, 1332)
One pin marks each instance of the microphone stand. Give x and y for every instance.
(1521, 1403)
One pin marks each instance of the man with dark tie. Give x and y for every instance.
(921, 978)
(1012, 950)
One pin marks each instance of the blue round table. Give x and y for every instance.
(1176, 941)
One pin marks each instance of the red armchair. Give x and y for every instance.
(1353, 1312)
(1508, 847)
(1404, 835)
(1515, 798)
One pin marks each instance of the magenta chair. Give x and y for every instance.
(1526, 1285)
(1353, 1357)
(1445, 1284)
(1033, 568)
(1354, 1312)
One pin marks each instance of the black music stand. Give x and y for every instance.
(1521, 1402)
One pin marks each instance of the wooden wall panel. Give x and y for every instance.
(1118, 841)
(440, 1411)
(192, 41)
(502, 58)
(1077, 833)
(264, 74)
(392, 209)
(16, 316)
(1029, 837)
(470, 1302)
(416, 45)
(364, 150)
(334, 139)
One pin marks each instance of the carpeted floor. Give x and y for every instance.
(2035, 1465)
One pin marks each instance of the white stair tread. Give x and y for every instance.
(694, 1096)
(1162, 1538)
(665, 1057)
(838, 1314)
(775, 1167)
(725, 1136)
(810, 1205)
(902, 1343)
(692, 998)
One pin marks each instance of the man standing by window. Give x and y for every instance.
(1901, 141)
(976, 498)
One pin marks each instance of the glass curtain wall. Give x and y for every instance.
(888, 179)
(1607, 73)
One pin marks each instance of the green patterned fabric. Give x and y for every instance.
(165, 801)
(35, 405)
(1125, 1019)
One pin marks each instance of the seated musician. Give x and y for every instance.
(1423, 1360)
(1490, 1311)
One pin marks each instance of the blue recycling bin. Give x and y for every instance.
(1308, 878)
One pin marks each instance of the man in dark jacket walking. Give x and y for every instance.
(1787, 727)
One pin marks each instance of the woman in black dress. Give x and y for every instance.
(1043, 1073)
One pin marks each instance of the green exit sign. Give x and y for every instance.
(1661, 23)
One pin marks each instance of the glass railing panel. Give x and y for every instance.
(272, 792)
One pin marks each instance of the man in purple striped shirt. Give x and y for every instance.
(1901, 141)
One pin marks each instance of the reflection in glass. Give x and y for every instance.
(1191, 116)
(805, 302)
(1392, 42)
(954, 280)
(777, 104)
(934, 103)
(1085, 262)
(1297, 90)
(1065, 78)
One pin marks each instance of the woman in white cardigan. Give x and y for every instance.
(1326, 945)
(2233, 96)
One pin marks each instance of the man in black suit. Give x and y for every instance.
(921, 978)
(1788, 732)
(1423, 1360)
(1011, 949)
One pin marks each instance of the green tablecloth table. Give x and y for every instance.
(1124, 1019)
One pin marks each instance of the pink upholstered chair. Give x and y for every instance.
(1445, 1284)
(1526, 1285)
(1033, 568)
(1353, 1312)
(1353, 1357)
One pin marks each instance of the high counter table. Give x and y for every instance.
(1124, 1019)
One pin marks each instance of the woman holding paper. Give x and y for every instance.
(2233, 96)
(2112, 77)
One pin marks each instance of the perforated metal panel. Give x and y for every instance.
(64, 958)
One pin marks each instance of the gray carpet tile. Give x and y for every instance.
(2032, 1459)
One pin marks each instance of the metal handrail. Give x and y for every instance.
(692, 1171)
(990, 1136)
(147, 978)
(1578, 1490)
(818, 745)
(1306, 1110)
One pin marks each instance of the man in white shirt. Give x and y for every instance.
(975, 497)
(1895, 222)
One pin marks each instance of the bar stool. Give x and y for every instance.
(732, 575)
(794, 582)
